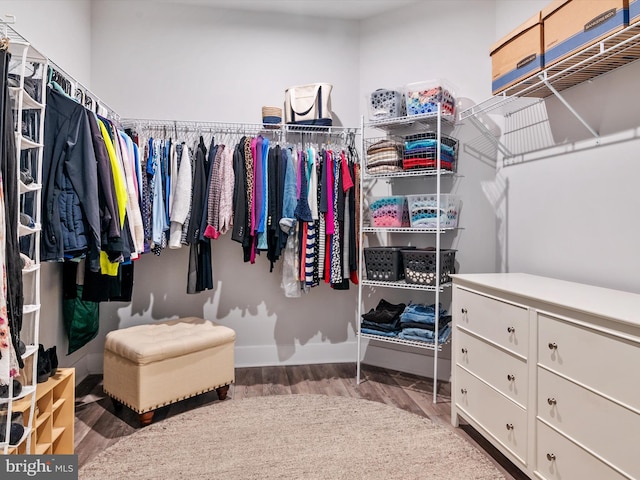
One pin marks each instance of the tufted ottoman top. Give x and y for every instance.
(152, 342)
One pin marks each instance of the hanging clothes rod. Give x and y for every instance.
(111, 113)
(182, 126)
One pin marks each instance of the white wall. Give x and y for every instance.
(573, 215)
(60, 29)
(197, 63)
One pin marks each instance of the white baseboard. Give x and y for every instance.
(410, 360)
(257, 356)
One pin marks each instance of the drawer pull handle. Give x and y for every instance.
(511, 329)
(464, 311)
(511, 378)
(553, 346)
(463, 391)
(551, 401)
(464, 351)
(551, 457)
(509, 426)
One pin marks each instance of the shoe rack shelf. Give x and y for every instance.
(27, 92)
(52, 428)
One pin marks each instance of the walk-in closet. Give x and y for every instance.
(415, 214)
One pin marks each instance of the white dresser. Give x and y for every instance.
(549, 372)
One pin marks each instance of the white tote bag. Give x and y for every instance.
(308, 104)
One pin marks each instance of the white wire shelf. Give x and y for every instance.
(614, 51)
(32, 187)
(25, 435)
(17, 44)
(28, 103)
(404, 285)
(421, 121)
(30, 350)
(26, 390)
(23, 230)
(26, 143)
(30, 308)
(406, 230)
(176, 127)
(409, 173)
(31, 268)
(402, 341)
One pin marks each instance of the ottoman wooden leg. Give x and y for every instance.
(117, 406)
(146, 418)
(222, 392)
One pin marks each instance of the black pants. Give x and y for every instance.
(9, 168)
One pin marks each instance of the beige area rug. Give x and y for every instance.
(292, 437)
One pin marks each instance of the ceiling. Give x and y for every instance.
(345, 9)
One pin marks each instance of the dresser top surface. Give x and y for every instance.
(602, 302)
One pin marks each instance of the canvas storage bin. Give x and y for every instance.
(517, 55)
(570, 25)
(308, 104)
(385, 103)
(271, 116)
(634, 11)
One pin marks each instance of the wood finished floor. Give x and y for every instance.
(97, 426)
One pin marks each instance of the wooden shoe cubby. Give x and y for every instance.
(52, 430)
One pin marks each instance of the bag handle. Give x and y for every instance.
(317, 97)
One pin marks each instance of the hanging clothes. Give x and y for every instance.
(240, 193)
(10, 295)
(200, 275)
(181, 195)
(9, 170)
(70, 213)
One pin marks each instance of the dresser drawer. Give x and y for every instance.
(505, 420)
(591, 420)
(503, 371)
(605, 363)
(557, 458)
(500, 322)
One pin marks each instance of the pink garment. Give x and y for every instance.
(252, 226)
(299, 175)
(226, 193)
(329, 170)
(347, 181)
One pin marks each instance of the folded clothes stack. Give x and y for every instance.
(383, 320)
(384, 156)
(422, 154)
(418, 323)
(409, 322)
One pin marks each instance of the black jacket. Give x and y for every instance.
(70, 213)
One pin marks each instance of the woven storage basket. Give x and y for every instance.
(271, 116)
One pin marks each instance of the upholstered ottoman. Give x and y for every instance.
(148, 366)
